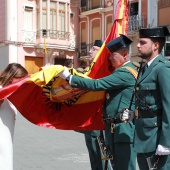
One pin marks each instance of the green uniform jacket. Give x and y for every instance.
(119, 87)
(153, 87)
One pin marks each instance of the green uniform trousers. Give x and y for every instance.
(94, 152)
(124, 156)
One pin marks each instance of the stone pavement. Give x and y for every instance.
(38, 148)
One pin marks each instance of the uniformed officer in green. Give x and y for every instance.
(152, 123)
(119, 88)
(92, 137)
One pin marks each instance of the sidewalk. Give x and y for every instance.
(38, 148)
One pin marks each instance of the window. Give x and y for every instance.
(95, 4)
(53, 20)
(44, 18)
(96, 30)
(44, 15)
(61, 21)
(28, 18)
(133, 9)
(83, 3)
(83, 32)
(108, 24)
(38, 18)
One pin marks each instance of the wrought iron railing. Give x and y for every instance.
(136, 22)
(53, 34)
(29, 37)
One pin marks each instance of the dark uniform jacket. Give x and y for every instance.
(119, 87)
(153, 87)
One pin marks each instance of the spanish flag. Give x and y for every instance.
(49, 101)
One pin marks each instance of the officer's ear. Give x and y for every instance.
(125, 53)
(156, 46)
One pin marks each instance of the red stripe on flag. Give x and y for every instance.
(10, 89)
(39, 110)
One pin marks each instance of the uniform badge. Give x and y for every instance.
(107, 96)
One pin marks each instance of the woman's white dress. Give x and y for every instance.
(7, 123)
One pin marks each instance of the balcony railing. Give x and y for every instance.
(59, 34)
(29, 37)
(87, 5)
(136, 22)
(72, 39)
(53, 34)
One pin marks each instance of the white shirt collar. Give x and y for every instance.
(126, 63)
(150, 62)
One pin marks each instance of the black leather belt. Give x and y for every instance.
(112, 120)
(148, 113)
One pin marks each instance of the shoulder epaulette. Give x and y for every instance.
(132, 71)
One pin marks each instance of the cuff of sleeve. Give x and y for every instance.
(69, 78)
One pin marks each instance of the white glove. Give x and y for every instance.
(162, 150)
(64, 74)
(128, 115)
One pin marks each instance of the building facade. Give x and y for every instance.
(35, 33)
(96, 18)
(38, 32)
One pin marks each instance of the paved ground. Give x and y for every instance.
(37, 148)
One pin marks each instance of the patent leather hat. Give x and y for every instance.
(118, 43)
(154, 32)
(98, 43)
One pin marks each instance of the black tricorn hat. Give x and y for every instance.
(118, 43)
(98, 43)
(154, 32)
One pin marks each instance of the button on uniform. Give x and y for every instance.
(147, 88)
(107, 96)
(137, 88)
